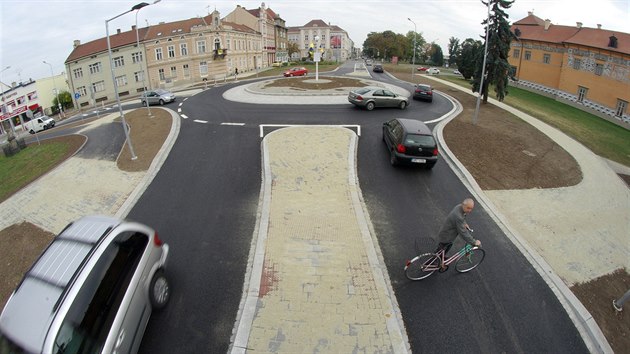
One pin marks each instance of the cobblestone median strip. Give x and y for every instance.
(321, 286)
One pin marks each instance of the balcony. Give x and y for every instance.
(220, 53)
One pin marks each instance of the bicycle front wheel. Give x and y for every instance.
(470, 260)
(422, 266)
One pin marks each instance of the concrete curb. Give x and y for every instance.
(157, 163)
(591, 333)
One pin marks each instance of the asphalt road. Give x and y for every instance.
(204, 200)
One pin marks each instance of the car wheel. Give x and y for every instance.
(430, 166)
(403, 105)
(290, 75)
(31, 131)
(392, 158)
(159, 290)
(369, 106)
(161, 102)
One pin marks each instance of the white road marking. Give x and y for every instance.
(262, 126)
(201, 121)
(179, 110)
(184, 116)
(237, 124)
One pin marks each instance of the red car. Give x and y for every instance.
(422, 68)
(297, 71)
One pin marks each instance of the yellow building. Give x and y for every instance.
(588, 68)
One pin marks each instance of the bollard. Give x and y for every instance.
(618, 304)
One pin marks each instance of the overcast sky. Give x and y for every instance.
(36, 30)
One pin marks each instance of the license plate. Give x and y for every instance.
(418, 160)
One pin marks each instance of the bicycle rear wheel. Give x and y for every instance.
(422, 266)
(470, 260)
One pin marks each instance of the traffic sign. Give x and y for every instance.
(77, 95)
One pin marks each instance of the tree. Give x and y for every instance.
(387, 44)
(499, 38)
(437, 57)
(470, 52)
(66, 101)
(453, 50)
(292, 48)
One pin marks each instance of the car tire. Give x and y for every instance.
(402, 105)
(430, 166)
(159, 290)
(161, 102)
(290, 75)
(369, 106)
(392, 158)
(31, 131)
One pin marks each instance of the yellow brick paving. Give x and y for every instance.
(318, 291)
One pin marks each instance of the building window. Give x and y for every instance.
(32, 96)
(203, 68)
(82, 91)
(95, 68)
(546, 58)
(118, 62)
(599, 69)
(621, 108)
(22, 100)
(528, 55)
(228, 44)
(217, 44)
(173, 71)
(136, 57)
(201, 46)
(161, 72)
(139, 76)
(98, 86)
(78, 73)
(582, 93)
(158, 53)
(306, 37)
(576, 64)
(186, 70)
(171, 51)
(183, 49)
(121, 80)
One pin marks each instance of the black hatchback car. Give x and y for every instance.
(410, 141)
(378, 68)
(423, 92)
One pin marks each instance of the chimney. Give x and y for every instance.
(579, 24)
(76, 43)
(547, 24)
(599, 26)
(133, 27)
(118, 31)
(529, 13)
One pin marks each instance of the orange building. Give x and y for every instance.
(588, 68)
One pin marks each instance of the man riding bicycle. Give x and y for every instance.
(455, 225)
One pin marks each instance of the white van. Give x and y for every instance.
(38, 124)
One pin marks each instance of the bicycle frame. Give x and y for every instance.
(445, 262)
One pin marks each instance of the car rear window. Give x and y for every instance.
(362, 91)
(415, 139)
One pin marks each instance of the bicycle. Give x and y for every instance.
(422, 266)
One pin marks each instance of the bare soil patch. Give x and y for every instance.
(147, 137)
(333, 83)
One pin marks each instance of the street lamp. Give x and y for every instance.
(140, 62)
(55, 84)
(111, 67)
(413, 63)
(316, 57)
(483, 68)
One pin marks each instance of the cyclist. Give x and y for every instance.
(455, 225)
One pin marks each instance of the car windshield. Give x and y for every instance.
(161, 92)
(424, 140)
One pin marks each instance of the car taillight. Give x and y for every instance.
(401, 148)
(156, 239)
(435, 152)
(359, 98)
(430, 93)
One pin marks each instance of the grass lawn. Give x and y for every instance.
(600, 136)
(27, 165)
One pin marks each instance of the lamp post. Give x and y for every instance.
(55, 84)
(316, 57)
(415, 31)
(4, 100)
(140, 62)
(483, 68)
(111, 67)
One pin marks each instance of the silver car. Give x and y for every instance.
(158, 96)
(371, 97)
(91, 291)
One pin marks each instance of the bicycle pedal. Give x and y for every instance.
(443, 269)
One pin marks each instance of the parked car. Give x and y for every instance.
(422, 68)
(91, 291)
(423, 92)
(276, 64)
(38, 124)
(368, 62)
(456, 72)
(377, 68)
(297, 71)
(410, 141)
(371, 97)
(433, 71)
(158, 96)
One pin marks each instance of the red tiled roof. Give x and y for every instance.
(256, 12)
(555, 34)
(316, 23)
(600, 38)
(530, 20)
(100, 45)
(165, 30)
(238, 27)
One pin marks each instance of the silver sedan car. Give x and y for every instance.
(91, 291)
(371, 97)
(158, 96)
